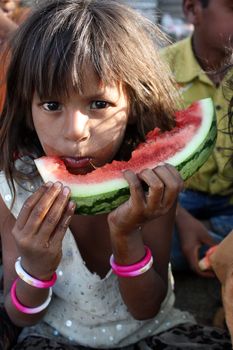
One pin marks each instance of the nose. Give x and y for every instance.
(76, 128)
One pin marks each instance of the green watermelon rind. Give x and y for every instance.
(187, 165)
(106, 202)
(103, 197)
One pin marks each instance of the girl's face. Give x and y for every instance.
(84, 130)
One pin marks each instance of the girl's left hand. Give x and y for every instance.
(164, 184)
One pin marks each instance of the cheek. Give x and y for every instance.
(47, 138)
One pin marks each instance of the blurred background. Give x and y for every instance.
(167, 13)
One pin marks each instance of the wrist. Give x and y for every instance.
(127, 248)
(41, 276)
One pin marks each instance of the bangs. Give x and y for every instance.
(56, 66)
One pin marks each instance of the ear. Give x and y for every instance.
(192, 11)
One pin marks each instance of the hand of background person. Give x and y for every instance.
(193, 235)
(221, 261)
(164, 184)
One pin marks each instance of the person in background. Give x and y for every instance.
(12, 13)
(219, 258)
(7, 26)
(205, 212)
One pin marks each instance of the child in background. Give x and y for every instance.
(85, 83)
(6, 26)
(219, 258)
(11, 14)
(196, 63)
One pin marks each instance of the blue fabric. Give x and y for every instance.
(214, 208)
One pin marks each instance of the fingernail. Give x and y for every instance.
(48, 184)
(57, 185)
(66, 191)
(72, 205)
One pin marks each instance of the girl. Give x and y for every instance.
(85, 83)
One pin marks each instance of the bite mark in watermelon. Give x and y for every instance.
(187, 147)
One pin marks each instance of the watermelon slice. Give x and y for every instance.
(187, 147)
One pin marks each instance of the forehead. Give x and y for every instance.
(92, 85)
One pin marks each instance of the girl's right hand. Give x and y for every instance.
(164, 184)
(40, 228)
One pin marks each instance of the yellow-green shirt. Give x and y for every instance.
(216, 175)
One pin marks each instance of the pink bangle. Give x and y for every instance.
(25, 309)
(134, 269)
(31, 280)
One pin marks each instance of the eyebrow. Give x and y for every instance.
(106, 93)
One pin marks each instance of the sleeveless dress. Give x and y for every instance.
(85, 309)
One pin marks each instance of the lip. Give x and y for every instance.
(77, 165)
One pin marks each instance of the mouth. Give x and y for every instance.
(78, 165)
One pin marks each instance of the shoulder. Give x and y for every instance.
(177, 49)
(180, 58)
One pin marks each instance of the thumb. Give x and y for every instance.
(205, 263)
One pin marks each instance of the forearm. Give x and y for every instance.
(143, 294)
(30, 297)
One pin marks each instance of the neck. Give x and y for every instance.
(210, 60)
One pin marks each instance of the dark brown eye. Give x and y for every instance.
(52, 106)
(99, 104)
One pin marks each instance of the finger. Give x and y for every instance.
(164, 185)
(54, 215)
(155, 187)
(63, 224)
(40, 210)
(204, 264)
(176, 175)
(173, 183)
(29, 204)
(137, 195)
(194, 264)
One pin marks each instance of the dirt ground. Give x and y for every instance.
(200, 296)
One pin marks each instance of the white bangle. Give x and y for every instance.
(23, 275)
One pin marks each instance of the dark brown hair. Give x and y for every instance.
(51, 50)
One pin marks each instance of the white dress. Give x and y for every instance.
(86, 309)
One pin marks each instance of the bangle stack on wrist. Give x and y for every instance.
(135, 269)
(23, 275)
